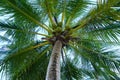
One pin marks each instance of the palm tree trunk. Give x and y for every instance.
(53, 70)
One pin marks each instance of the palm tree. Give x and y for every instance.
(60, 39)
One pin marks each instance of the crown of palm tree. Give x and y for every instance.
(86, 29)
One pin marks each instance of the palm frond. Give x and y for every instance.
(100, 62)
(18, 64)
(102, 12)
(14, 31)
(70, 71)
(23, 49)
(38, 67)
(53, 10)
(50, 9)
(109, 33)
(11, 26)
(75, 9)
(19, 10)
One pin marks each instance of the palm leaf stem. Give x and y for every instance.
(49, 13)
(8, 26)
(84, 22)
(63, 13)
(33, 33)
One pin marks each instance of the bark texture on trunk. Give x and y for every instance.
(53, 70)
